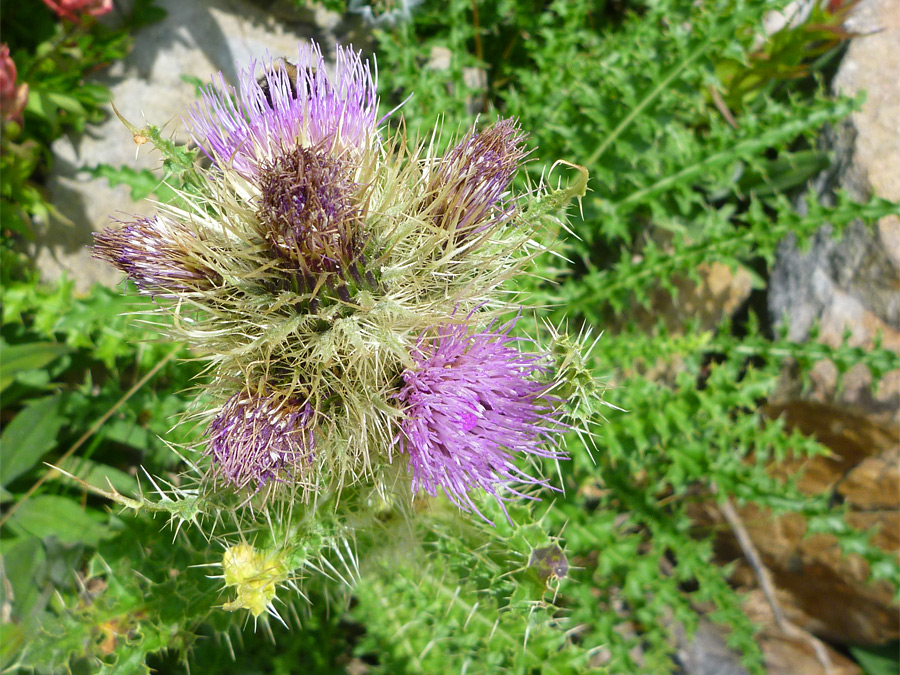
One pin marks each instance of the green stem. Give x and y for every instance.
(647, 100)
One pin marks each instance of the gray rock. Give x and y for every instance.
(852, 275)
(706, 652)
(854, 284)
(195, 39)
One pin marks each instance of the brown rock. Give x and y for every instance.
(874, 483)
(827, 591)
(822, 590)
(791, 653)
(847, 286)
(852, 439)
(716, 293)
(886, 524)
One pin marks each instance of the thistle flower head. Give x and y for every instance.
(471, 179)
(286, 108)
(321, 274)
(254, 440)
(309, 210)
(160, 255)
(471, 407)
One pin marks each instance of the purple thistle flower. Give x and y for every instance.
(155, 254)
(288, 107)
(308, 209)
(471, 407)
(472, 178)
(255, 440)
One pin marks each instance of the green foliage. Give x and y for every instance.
(67, 361)
(142, 183)
(472, 599)
(699, 151)
(877, 660)
(54, 58)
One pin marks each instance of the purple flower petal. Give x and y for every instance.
(255, 440)
(471, 408)
(287, 110)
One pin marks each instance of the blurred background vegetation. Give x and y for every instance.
(701, 136)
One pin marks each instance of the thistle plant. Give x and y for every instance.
(346, 289)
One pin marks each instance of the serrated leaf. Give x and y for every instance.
(142, 182)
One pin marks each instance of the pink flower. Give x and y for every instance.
(73, 10)
(12, 98)
(471, 408)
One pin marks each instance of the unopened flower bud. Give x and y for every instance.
(255, 577)
(12, 97)
(158, 254)
(470, 181)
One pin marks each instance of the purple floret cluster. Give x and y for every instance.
(475, 175)
(152, 253)
(253, 441)
(471, 407)
(287, 107)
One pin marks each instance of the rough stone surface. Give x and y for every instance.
(854, 283)
(706, 652)
(871, 65)
(715, 293)
(847, 286)
(791, 654)
(822, 590)
(195, 39)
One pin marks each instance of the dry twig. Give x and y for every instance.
(764, 578)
